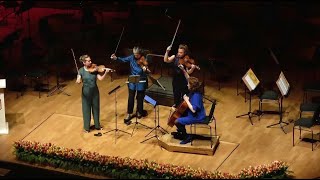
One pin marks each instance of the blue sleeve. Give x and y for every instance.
(196, 102)
(125, 59)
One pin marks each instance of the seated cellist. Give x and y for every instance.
(195, 112)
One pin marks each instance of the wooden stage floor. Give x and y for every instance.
(58, 119)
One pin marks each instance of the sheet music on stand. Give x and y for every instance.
(251, 80)
(134, 78)
(283, 84)
(284, 87)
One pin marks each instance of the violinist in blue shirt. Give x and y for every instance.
(135, 69)
(195, 112)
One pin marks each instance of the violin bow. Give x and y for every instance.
(119, 41)
(176, 32)
(75, 60)
(115, 51)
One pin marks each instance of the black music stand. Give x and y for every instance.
(284, 88)
(156, 125)
(251, 82)
(57, 87)
(136, 79)
(116, 113)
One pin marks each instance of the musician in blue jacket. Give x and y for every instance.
(139, 88)
(195, 112)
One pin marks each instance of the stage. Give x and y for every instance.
(58, 119)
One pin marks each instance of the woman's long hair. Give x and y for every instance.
(195, 85)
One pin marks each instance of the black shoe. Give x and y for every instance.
(100, 128)
(127, 120)
(143, 114)
(174, 133)
(129, 117)
(178, 135)
(186, 140)
(139, 115)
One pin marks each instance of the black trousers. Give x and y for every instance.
(181, 129)
(140, 98)
(179, 89)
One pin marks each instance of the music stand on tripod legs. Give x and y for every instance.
(136, 80)
(284, 87)
(156, 118)
(57, 87)
(116, 113)
(251, 82)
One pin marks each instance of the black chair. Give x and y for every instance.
(207, 122)
(307, 124)
(308, 107)
(269, 96)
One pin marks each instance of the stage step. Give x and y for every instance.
(4, 172)
(199, 146)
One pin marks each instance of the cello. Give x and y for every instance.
(177, 113)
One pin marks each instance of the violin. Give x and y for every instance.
(187, 62)
(97, 68)
(142, 62)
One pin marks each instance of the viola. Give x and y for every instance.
(142, 62)
(187, 62)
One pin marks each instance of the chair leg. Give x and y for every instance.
(191, 131)
(210, 137)
(293, 136)
(312, 139)
(215, 128)
(260, 109)
(300, 132)
(170, 113)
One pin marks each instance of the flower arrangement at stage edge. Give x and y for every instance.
(92, 162)
(274, 169)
